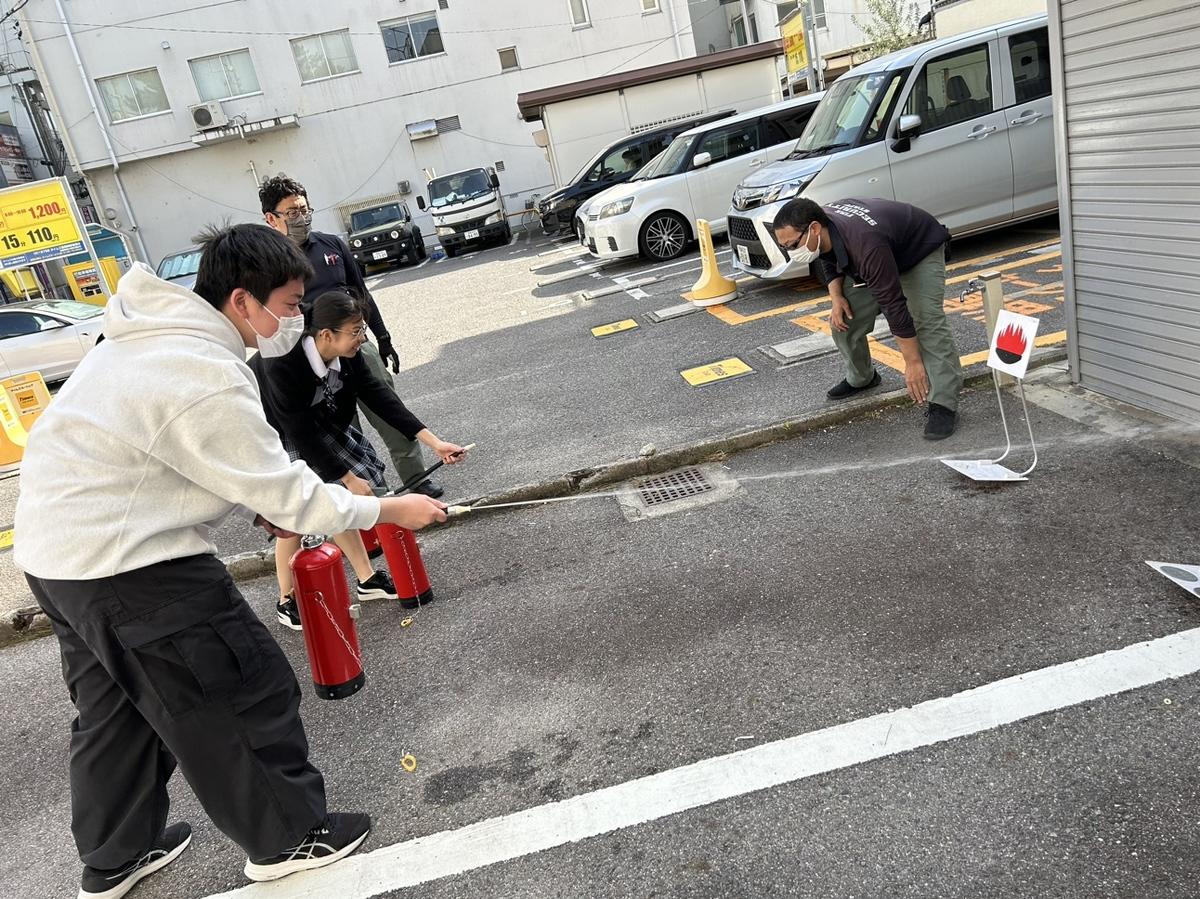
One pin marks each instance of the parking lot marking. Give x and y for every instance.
(1031, 248)
(1008, 266)
(662, 315)
(730, 317)
(850, 744)
(614, 328)
(6, 538)
(733, 367)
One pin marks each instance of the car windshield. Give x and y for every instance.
(459, 188)
(373, 218)
(644, 172)
(68, 308)
(180, 265)
(587, 166)
(671, 160)
(841, 115)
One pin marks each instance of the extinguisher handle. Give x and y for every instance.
(455, 511)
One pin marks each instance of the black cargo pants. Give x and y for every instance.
(168, 663)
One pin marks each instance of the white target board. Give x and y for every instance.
(1012, 343)
(1186, 576)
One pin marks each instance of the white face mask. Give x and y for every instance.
(802, 254)
(286, 336)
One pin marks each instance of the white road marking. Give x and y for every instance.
(424, 262)
(635, 802)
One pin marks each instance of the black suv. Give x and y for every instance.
(385, 234)
(615, 163)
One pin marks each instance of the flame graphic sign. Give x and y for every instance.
(1010, 344)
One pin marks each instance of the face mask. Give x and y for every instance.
(299, 229)
(802, 254)
(286, 336)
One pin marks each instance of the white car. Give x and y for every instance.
(654, 214)
(47, 336)
(962, 127)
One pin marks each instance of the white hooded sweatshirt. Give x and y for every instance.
(156, 438)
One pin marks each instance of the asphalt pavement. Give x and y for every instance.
(843, 575)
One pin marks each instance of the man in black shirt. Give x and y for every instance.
(285, 208)
(880, 255)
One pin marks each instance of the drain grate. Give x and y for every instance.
(672, 486)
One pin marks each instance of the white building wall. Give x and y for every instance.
(351, 142)
(960, 16)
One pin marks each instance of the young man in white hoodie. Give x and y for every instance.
(158, 437)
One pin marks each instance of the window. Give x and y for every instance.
(818, 13)
(508, 59)
(952, 89)
(739, 31)
(579, 13)
(225, 76)
(883, 109)
(650, 6)
(19, 324)
(324, 55)
(133, 94)
(730, 142)
(1030, 53)
(788, 124)
(413, 37)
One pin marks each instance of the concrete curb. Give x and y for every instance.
(30, 623)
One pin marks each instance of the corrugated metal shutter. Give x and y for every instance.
(1132, 111)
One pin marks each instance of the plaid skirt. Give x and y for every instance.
(354, 450)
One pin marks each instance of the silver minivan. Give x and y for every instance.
(962, 127)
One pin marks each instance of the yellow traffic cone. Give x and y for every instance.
(713, 288)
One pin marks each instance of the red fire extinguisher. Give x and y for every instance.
(405, 563)
(371, 542)
(328, 618)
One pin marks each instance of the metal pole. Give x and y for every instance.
(993, 302)
(816, 81)
(87, 238)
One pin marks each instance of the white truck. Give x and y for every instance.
(467, 208)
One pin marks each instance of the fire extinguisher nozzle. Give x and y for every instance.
(455, 511)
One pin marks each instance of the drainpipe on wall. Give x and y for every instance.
(112, 155)
(675, 28)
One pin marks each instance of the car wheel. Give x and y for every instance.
(450, 252)
(419, 242)
(506, 235)
(664, 236)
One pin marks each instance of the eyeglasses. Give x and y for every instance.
(295, 214)
(360, 331)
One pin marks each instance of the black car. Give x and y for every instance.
(385, 234)
(615, 163)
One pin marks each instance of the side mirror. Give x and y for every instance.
(700, 160)
(421, 203)
(495, 180)
(909, 126)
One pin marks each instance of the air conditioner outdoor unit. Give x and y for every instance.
(208, 115)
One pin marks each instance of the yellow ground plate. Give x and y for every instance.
(732, 367)
(6, 539)
(614, 328)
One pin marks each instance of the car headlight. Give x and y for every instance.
(494, 219)
(395, 235)
(356, 243)
(444, 231)
(785, 190)
(620, 207)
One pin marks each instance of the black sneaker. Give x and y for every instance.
(430, 489)
(846, 389)
(939, 422)
(377, 586)
(98, 884)
(288, 612)
(333, 839)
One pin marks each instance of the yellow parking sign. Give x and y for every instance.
(732, 367)
(614, 328)
(38, 222)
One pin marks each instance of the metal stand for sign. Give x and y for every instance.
(991, 469)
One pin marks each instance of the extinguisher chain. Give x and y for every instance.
(320, 597)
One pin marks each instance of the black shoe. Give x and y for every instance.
(287, 612)
(845, 388)
(98, 884)
(430, 489)
(939, 422)
(333, 839)
(377, 586)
